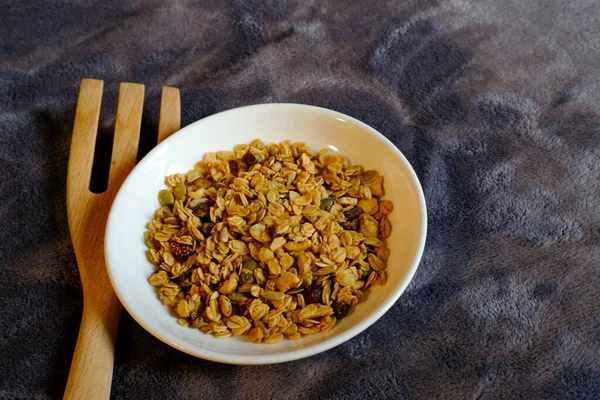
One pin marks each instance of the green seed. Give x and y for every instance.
(250, 264)
(180, 192)
(237, 296)
(248, 277)
(327, 203)
(165, 198)
(167, 214)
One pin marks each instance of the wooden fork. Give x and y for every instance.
(90, 376)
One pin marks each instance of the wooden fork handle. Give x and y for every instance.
(92, 366)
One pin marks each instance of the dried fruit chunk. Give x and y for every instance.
(312, 294)
(340, 310)
(249, 159)
(179, 250)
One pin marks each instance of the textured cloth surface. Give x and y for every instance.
(495, 104)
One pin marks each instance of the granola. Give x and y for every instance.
(268, 241)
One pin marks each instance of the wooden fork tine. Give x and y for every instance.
(83, 143)
(170, 113)
(127, 132)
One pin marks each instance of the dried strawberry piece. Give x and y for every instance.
(180, 250)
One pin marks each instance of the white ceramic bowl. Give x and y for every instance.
(136, 203)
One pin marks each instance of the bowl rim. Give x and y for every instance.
(359, 327)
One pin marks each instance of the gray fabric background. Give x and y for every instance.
(495, 103)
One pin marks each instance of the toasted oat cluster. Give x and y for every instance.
(268, 241)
